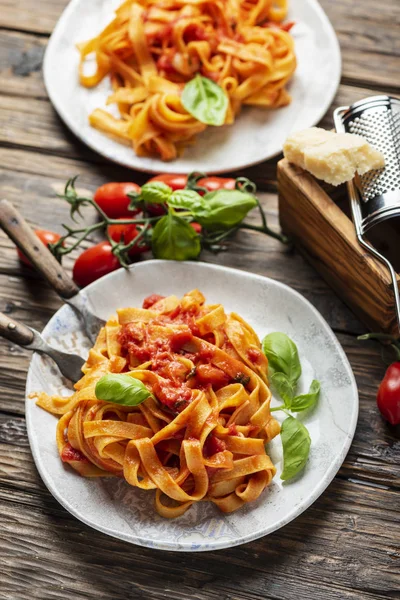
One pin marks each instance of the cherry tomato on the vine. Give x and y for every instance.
(196, 226)
(217, 183)
(46, 237)
(113, 200)
(126, 233)
(94, 263)
(175, 182)
(388, 398)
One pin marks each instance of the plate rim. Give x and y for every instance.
(214, 544)
(135, 163)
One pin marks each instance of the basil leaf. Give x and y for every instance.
(121, 389)
(174, 239)
(284, 388)
(155, 192)
(305, 401)
(282, 355)
(186, 199)
(205, 100)
(224, 209)
(296, 444)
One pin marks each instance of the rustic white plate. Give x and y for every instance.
(114, 507)
(256, 135)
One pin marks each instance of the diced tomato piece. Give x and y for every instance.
(179, 339)
(194, 33)
(208, 374)
(152, 299)
(232, 429)
(212, 445)
(174, 396)
(70, 454)
(254, 355)
(164, 63)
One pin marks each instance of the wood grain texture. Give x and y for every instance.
(367, 33)
(346, 546)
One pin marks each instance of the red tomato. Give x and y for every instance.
(70, 454)
(94, 263)
(175, 182)
(113, 200)
(388, 398)
(206, 374)
(164, 63)
(194, 33)
(196, 226)
(126, 233)
(152, 299)
(46, 237)
(212, 445)
(217, 183)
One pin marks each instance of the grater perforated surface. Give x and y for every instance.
(380, 126)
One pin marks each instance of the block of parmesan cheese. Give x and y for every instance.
(332, 157)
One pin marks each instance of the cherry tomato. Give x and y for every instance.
(388, 398)
(175, 182)
(94, 263)
(217, 183)
(196, 226)
(46, 237)
(126, 233)
(113, 200)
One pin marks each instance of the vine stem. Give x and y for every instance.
(265, 229)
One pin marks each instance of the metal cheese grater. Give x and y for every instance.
(375, 196)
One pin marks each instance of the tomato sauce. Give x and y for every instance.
(255, 355)
(176, 397)
(152, 299)
(212, 445)
(69, 454)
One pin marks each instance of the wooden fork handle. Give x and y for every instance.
(15, 332)
(40, 256)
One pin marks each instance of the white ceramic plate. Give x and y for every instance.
(256, 135)
(114, 507)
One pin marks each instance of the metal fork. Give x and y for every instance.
(70, 365)
(23, 236)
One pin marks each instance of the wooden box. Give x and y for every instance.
(318, 219)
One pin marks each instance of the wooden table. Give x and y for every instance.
(346, 544)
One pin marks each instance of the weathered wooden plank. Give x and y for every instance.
(369, 41)
(326, 553)
(367, 34)
(21, 58)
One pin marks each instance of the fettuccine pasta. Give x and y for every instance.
(202, 435)
(153, 47)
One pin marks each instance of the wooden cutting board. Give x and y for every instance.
(317, 219)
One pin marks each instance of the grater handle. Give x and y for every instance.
(355, 209)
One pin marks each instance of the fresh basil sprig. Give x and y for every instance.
(121, 389)
(205, 100)
(283, 358)
(296, 444)
(186, 200)
(284, 388)
(216, 211)
(306, 401)
(174, 239)
(282, 355)
(224, 209)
